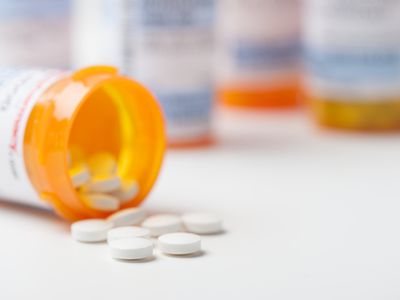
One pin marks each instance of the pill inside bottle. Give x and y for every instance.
(94, 114)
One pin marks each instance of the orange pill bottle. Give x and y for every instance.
(43, 112)
(258, 52)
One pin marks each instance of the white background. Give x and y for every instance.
(309, 214)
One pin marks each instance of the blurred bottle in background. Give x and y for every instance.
(98, 32)
(34, 33)
(171, 49)
(166, 44)
(259, 52)
(353, 63)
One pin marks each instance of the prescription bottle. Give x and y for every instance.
(35, 33)
(352, 54)
(258, 53)
(167, 45)
(43, 112)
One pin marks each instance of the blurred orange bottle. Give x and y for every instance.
(258, 51)
(43, 112)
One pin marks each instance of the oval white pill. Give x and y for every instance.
(128, 216)
(102, 185)
(131, 248)
(101, 202)
(127, 232)
(128, 191)
(179, 243)
(89, 231)
(162, 224)
(202, 223)
(79, 174)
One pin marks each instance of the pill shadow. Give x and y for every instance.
(137, 261)
(198, 254)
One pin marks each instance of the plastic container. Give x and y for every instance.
(35, 33)
(43, 112)
(167, 45)
(258, 46)
(353, 63)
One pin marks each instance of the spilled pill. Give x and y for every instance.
(89, 231)
(131, 248)
(162, 224)
(127, 232)
(202, 223)
(179, 243)
(128, 216)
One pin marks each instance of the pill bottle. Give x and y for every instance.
(170, 48)
(258, 53)
(167, 45)
(97, 28)
(43, 112)
(352, 53)
(35, 33)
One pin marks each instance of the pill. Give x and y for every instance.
(131, 248)
(162, 224)
(127, 232)
(102, 164)
(79, 174)
(102, 185)
(128, 216)
(101, 202)
(89, 231)
(128, 191)
(202, 223)
(179, 243)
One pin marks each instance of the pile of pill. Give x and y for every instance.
(97, 181)
(130, 234)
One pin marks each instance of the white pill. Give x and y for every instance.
(128, 216)
(79, 175)
(128, 191)
(89, 231)
(162, 224)
(101, 202)
(202, 223)
(131, 248)
(102, 185)
(127, 232)
(179, 243)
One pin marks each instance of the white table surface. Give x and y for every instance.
(309, 215)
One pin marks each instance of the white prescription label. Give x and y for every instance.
(19, 91)
(170, 48)
(352, 49)
(258, 42)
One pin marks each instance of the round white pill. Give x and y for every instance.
(162, 224)
(127, 232)
(179, 243)
(131, 248)
(89, 231)
(202, 223)
(128, 216)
